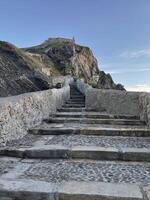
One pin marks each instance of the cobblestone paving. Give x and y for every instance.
(6, 165)
(108, 141)
(26, 141)
(61, 170)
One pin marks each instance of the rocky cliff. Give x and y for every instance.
(105, 81)
(72, 59)
(28, 69)
(67, 57)
(19, 72)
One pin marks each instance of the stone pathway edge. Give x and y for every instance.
(73, 190)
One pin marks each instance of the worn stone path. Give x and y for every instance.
(78, 154)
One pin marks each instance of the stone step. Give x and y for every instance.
(79, 152)
(69, 190)
(27, 190)
(67, 113)
(97, 121)
(67, 142)
(99, 191)
(90, 129)
(71, 109)
(74, 105)
(77, 97)
(118, 142)
(74, 89)
(75, 93)
(75, 102)
(61, 170)
(83, 159)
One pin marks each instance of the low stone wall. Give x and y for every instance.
(116, 102)
(82, 87)
(19, 113)
(144, 103)
(60, 79)
(111, 101)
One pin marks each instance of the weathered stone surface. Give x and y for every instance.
(147, 191)
(40, 190)
(144, 104)
(58, 151)
(97, 153)
(110, 101)
(19, 113)
(71, 109)
(99, 191)
(136, 154)
(82, 87)
(113, 101)
(94, 115)
(90, 129)
(116, 102)
(27, 189)
(80, 119)
(47, 151)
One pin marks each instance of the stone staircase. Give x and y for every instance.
(79, 155)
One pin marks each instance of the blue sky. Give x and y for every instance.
(118, 31)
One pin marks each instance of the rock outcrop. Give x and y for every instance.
(18, 72)
(29, 69)
(68, 57)
(105, 81)
(72, 59)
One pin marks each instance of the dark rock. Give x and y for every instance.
(105, 81)
(18, 72)
(59, 85)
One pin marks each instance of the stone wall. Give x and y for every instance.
(111, 101)
(82, 87)
(64, 80)
(144, 103)
(19, 113)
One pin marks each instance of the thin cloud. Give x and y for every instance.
(138, 88)
(136, 54)
(117, 71)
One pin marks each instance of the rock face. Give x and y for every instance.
(30, 69)
(68, 57)
(72, 59)
(105, 81)
(17, 72)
